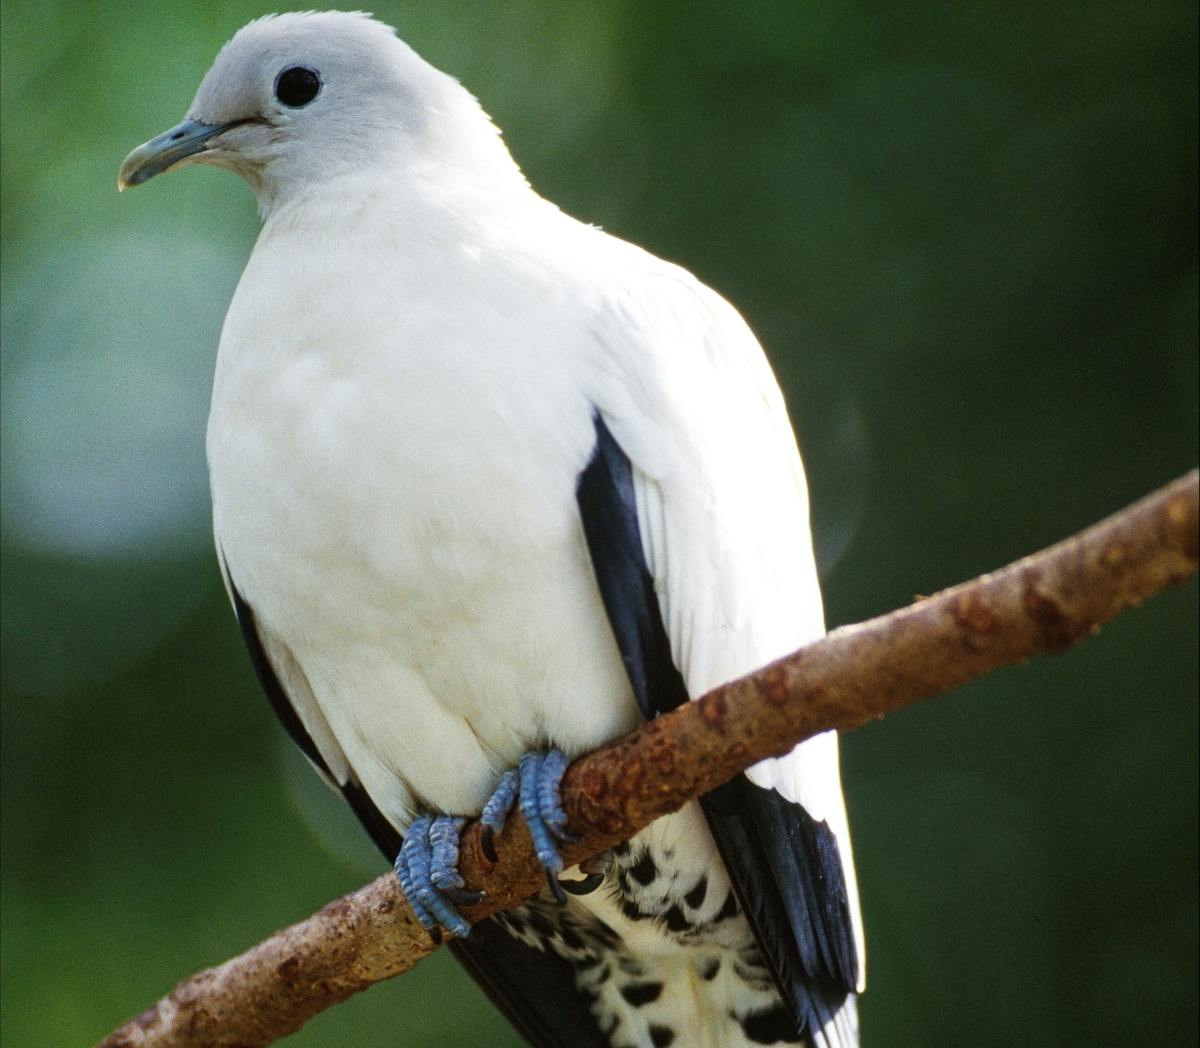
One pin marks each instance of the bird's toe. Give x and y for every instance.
(427, 868)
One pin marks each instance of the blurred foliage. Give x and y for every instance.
(966, 234)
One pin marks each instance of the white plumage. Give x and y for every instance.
(404, 401)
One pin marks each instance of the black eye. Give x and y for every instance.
(297, 86)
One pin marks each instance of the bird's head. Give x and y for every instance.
(295, 100)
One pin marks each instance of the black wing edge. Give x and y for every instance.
(784, 865)
(534, 990)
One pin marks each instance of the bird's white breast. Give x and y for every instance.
(393, 472)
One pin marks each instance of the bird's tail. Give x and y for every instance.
(702, 1001)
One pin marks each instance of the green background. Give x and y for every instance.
(966, 235)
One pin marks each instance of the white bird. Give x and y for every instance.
(490, 486)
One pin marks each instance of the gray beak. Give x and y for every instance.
(164, 152)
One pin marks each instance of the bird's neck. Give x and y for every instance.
(425, 206)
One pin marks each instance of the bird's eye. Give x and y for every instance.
(297, 86)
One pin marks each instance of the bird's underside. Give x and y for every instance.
(438, 628)
(661, 952)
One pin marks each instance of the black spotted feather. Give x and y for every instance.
(783, 864)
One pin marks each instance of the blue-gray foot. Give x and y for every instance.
(428, 861)
(428, 870)
(535, 787)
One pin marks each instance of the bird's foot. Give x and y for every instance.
(534, 786)
(428, 870)
(428, 861)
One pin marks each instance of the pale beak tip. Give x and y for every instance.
(183, 142)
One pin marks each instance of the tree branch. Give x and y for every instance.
(1044, 603)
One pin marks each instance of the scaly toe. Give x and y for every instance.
(444, 838)
(443, 841)
(534, 813)
(495, 812)
(549, 800)
(429, 855)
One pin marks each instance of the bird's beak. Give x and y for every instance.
(164, 152)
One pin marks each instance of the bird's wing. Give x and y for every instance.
(695, 511)
(533, 989)
(287, 689)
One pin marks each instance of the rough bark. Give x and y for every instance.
(1044, 603)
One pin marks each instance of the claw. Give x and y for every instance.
(585, 886)
(556, 888)
(495, 813)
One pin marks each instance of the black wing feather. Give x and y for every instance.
(784, 864)
(534, 990)
(608, 506)
(269, 680)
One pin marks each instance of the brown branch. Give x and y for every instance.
(1044, 603)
